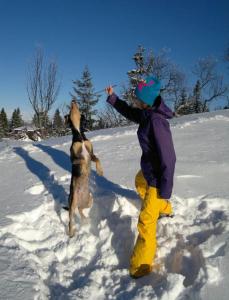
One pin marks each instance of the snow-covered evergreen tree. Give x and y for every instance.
(4, 121)
(143, 68)
(16, 119)
(197, 104)
(86, 97)
(159, 65)
(1, 128)
(181, 103)
(57, 122)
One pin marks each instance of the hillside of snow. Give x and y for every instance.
(39, 261)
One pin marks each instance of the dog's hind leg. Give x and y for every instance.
(72, 209)
(90, 200)
(89, 204)
(83, 217)
(70, 193)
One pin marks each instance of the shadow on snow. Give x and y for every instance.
(58, 156)
(44, 175)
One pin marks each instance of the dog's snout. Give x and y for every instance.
(74, 104)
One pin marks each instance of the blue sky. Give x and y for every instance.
(104, 35)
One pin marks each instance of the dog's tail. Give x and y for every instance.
(98, 165)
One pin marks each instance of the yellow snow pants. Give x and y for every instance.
(145, 248)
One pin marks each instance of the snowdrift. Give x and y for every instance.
(39, 261)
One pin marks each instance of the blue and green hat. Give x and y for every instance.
(148, 90)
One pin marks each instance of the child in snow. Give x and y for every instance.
(154, 181)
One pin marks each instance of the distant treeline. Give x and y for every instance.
(15, 126)
(43, 87)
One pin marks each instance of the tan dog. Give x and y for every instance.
(81, 152)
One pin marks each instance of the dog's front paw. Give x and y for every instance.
(99, 171)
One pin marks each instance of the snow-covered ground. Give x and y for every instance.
(39, 261)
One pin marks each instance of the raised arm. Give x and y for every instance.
(131, 113)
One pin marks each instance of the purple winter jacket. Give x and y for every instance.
(155, 138)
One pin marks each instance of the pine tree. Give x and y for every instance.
(19, 116)
(1, 128)
(184, 104)
(196, 97)
(144, 67)
(16, 119)
(86, 97)
(57, 122)
(13, 123)
(198, 106)
(158, 65)
(183, 98)
(4, 121)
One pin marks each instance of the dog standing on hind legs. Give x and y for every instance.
(81, 153)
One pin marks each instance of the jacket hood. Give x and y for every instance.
(161, 108)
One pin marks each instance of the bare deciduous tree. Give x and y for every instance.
(212, 84)
(173, 79)
(110, 118)
(42, 87)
